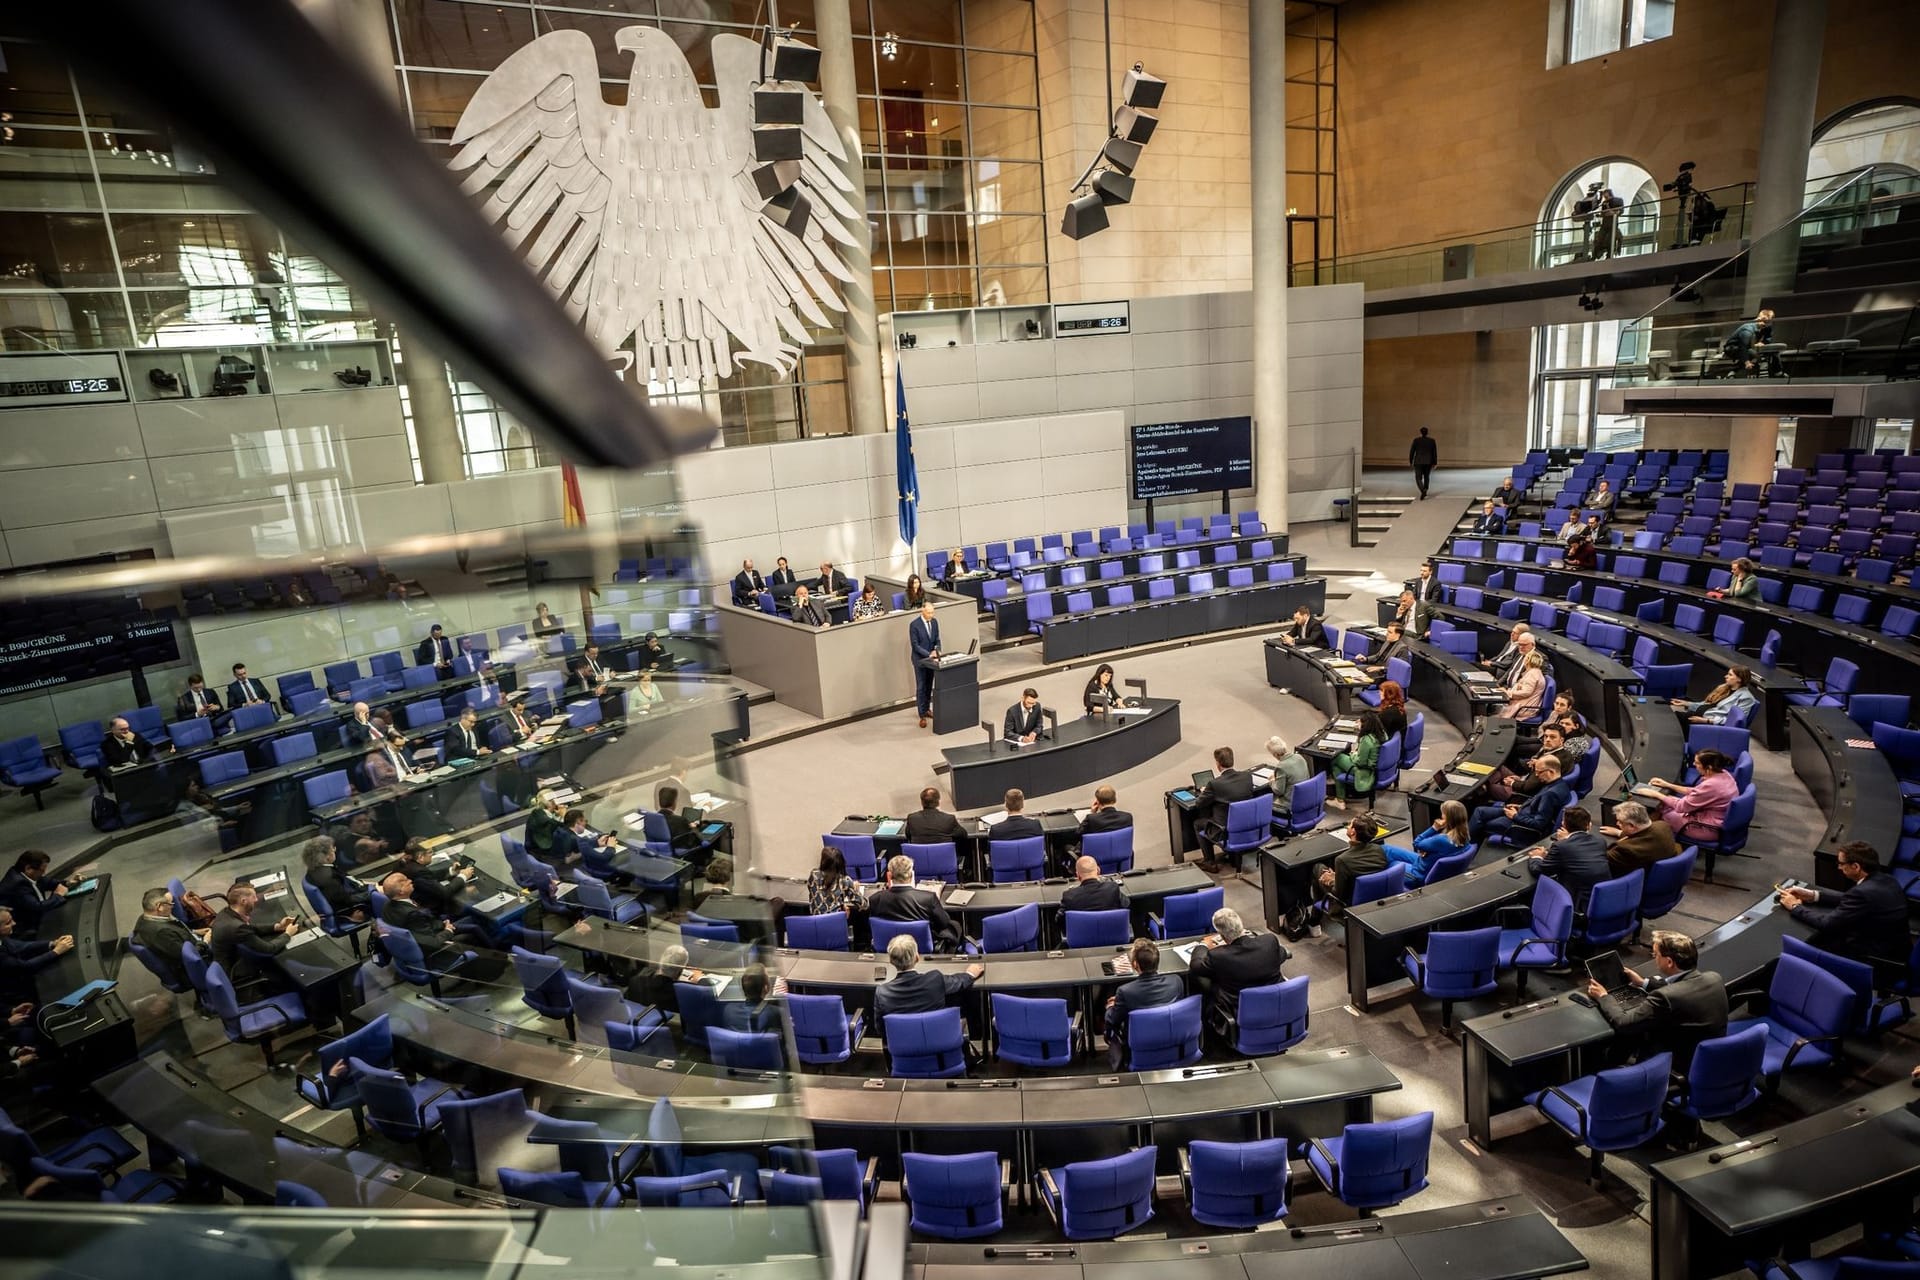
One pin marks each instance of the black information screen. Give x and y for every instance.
(82, 649)
(1206, 455)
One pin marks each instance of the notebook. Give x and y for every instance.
(85, 886)
(74, 999)
(889, 828)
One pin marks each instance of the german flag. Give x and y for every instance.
(573, 511)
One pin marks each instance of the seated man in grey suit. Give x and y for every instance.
(914, 990)
(1149, 989)
(808, 610)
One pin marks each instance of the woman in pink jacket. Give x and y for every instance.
(1699, 811)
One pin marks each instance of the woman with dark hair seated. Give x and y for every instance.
(1102, 691)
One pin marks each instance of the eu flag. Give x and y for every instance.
(903, 468)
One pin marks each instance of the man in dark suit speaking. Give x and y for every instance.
(1023, 723)
(923, 633)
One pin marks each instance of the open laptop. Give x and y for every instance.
(1202, 779)
(1606, 969)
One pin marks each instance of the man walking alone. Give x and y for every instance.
(1423, 457)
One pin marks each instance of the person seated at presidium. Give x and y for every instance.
(1239, 960)
(1698, 812)
(1735, 693)
(1529, 821)
(1102, 691)
(1091, 891)
(955, 567)
(831, 581)
(916, 593)
(1024, 720)
(1148, 989)
(747, 584)
(899, 899)
(1229, 785)
(1447, 836)
(1868, 922)
(807, 610)
(782, 575)
(1577, 858)
(1676, 1009)
(916, 990)
(869, 605)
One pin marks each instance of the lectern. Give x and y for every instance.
(956, 693)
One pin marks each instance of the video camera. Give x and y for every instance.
(1682, 184)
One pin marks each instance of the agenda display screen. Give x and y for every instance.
(1178, 459)
(82, 649)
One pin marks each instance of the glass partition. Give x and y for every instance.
(1834, 325)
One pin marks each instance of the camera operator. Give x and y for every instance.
(1740, 344)
(1601, 208)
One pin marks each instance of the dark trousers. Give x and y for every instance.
(1420, 477)
(923, 689)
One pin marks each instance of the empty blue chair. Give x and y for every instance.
(671, 1159)
(1871, 1014)
(1834, 689)
(1167, 1035)
(1808, 1011)
(1017, 859)
(543, 985)
(953, 1197)
(1448, 867)
(1725, 1075)
(1609, 1110)
(1456, 966)
(326, 789)
(1187, 915)
(257, 715)
(255, 1021)
(885, 931)
(292, 748)
(593, 897)
(927, 1045)
(1249, 826)
(24, 764)
(823, 1031)
(1267, 1020)
(1666, 681)
(340, 677)
(746, 1050)
(935, 861)
(863, 863)
(1542, 943)
(221, 769)
(1869, 709)
(1666, 883)
(1036, 1033)
(1100, 1199)
(1016, 930)
(80, 744)
(187, 734)
(699, 1008)
(1379, 884)
(1236, 1185)
(1613, 909)
(1306, 806)
(1099, 928)
(693, 929)
(818, 933)
(1375, 1165)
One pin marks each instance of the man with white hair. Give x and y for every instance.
(1503, 663)
(915, 990)
(1640, 839)
(900, 899)
(1235, 959)
(1290, 768)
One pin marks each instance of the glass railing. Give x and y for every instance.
(1832, 324)
(1540, 246)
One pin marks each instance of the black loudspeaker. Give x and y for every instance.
(779, 104)
(791, 210)
(1121, 154)
(1083, 217)
(1135, 126)
(1142, 90)
(793, 60)
(1112, 188)
(771, 179)
(777, 142)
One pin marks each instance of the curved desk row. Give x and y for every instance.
(1320, 677)
(1081, 752)
(1853, 784)
(1464, 777)
(1012, 617)
(98, 1034)
(1224, 608)
(1656, 747)
(1452, 686)
(1379, 933)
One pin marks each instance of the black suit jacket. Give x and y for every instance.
(1094, 895)
(436, 888)
(903, 902)
(1016, 827)
(1579, 862)
(249, 690)
(355, 734)
(1869, 919)
(1108, 819)
(183, 707)
(832, 584)
(424, 925)
(1234, 784)
(164, 937)
(1428, 591)
(930, 826)
(747, 585)
(28, 901)
(1312, 633)
(1148, 991)
(455, 744)
(19, 961)
(230, 933)
(1250, 960)
(341, 894)
(917, 991)
(115, 752)
(1022, 721)
(780, 578)
(1675, 1014)
(812, 613)
(439, 653)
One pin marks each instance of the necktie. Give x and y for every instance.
(199, 701)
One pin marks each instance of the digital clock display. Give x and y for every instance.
(1097, 322)
(61, 387)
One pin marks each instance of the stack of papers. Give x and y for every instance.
(302, 938)
(1476, 768)
(705, 801)
(990, 819)
(1185, 951)
(1337, 740)
(889, 828)
(1080, 815)
(1480, 677)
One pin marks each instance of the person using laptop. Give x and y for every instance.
(1671, 1013)
(1024, 722)
(1227, 785)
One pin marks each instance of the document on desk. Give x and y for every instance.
(1342, 740)
(1480, 677)
(494, 903)
(706, 801)
(1185, 951)
(1123, 712)
(888, 828)
(1263, 777)
(959, 897)
(1475, 767)
(1080, 815)
(990, 820)
(302, 938)
(1463, 780)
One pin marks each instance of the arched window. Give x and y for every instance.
(1884, 133)
(1574, 227)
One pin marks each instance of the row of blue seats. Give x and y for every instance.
(1004, 557)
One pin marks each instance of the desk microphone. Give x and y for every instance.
(1529, 1008)
(1746, 1144)
(1038, 1253)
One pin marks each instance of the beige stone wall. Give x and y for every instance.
(1470, 388)
(1189, 226)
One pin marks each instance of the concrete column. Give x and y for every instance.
(1267, 114)
(359, 29)
(1786, 131)
(1751, 444)
(866, 384)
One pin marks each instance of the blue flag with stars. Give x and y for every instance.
(905, 473)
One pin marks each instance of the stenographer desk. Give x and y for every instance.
(1380, 932)
(99, 1034)
(842, 670)
(1854, 786)
(1081, 752)
(1320, 676)
(1489, 1240)
(1855, 1164)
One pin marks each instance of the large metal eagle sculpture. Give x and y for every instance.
(645, 220)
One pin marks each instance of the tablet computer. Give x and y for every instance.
(1605, 968)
